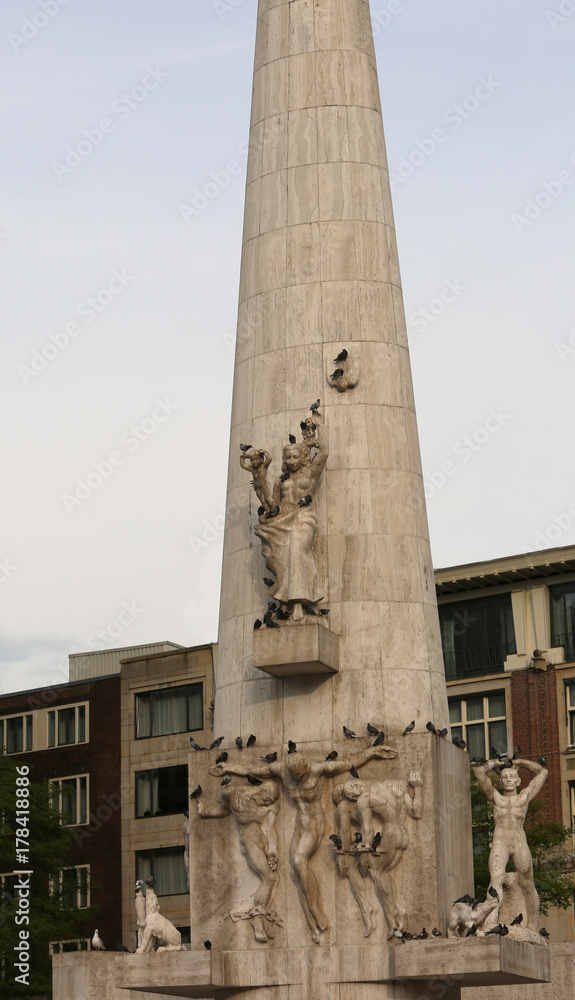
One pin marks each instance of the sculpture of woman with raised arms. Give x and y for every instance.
(287, 531)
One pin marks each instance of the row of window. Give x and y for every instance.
(160, 792)
(480, 720)
(72, 886)
(479, 635)
(65, 726)
(158, 713)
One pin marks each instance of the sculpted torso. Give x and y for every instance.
(509, 813)
(305, 793)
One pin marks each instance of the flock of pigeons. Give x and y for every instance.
(501, 930)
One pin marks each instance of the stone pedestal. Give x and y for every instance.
(296, 651)
(415, 971)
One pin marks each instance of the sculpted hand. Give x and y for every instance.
(415, 779)
(385, 752)
(218, 771)
(342, 865)
(272, 862)
(364, 863)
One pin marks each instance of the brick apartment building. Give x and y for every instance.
(69, 736)
(113, 743)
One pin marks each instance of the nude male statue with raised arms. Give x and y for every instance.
(509, 841)
(304, 781)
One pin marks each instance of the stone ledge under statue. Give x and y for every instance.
(374, 973)
(309, 649)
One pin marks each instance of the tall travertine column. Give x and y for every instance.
(320, 273)
(287, 910)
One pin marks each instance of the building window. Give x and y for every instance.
(58, 947)
(167, 867)
(161, 792)
(16, 733)
(67, 725)
(7, 891)
(171, 710)
(477, 636)
(480, 721)
(72, 886)
(70, 798)
(570, 700)
(562, 600)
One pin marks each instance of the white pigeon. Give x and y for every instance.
(97, 942)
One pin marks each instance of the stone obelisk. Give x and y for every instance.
(328, 614)
(320, 274)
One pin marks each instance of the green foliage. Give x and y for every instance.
(49, 919)
(550, 845)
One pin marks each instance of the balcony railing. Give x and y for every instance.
(567, 640)
(475, 662)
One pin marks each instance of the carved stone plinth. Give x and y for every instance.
(484, 961)
(408, 971)
(293, 651)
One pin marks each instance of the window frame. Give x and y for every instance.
(76, 778)
(60, 883)
(26, 717)
(54, 712)
(3, 877)
(569, 684)
(151, 772)
(461, 609)
(556, 591)
(151, 853)
(486, 719)
(159, 691)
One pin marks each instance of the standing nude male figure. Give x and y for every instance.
(304, 782)
(509, 841)
(255, 812)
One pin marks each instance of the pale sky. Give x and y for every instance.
(119, 315)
